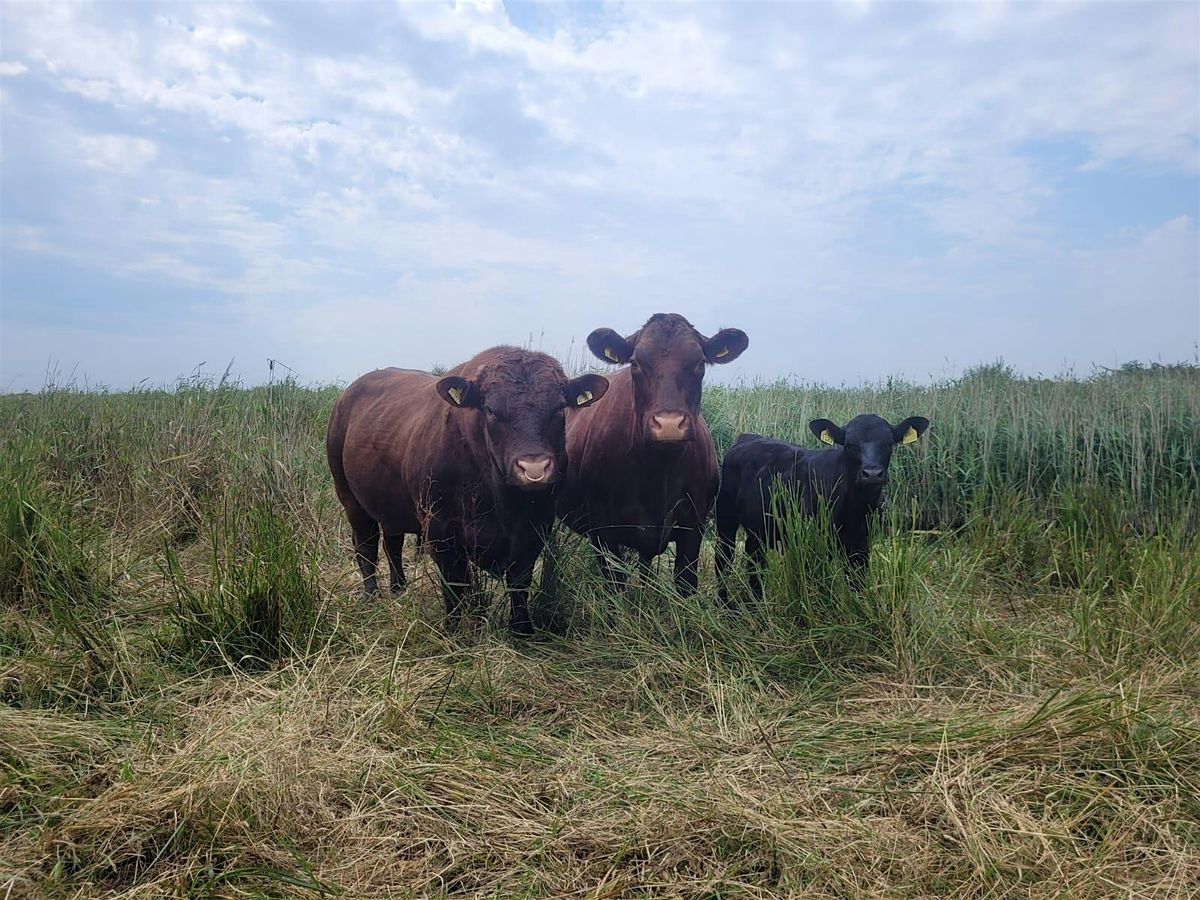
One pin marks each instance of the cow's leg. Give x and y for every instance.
(645, 566)
(517, 584)
(613, 576)
(394, 545)
(366, 544)
(756, 559)
(858, 560)
(456, 578)
(724, 562)
(548, 584)
(687, 559)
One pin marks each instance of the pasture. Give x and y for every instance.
(197, 700)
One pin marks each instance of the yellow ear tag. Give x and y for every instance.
(455, 395)
(826, 437)
(585, 397)
(608, 352)
(724, 353)
(910, 436)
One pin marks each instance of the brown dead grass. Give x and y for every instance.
(449, 768)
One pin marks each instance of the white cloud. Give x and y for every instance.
(645, 157)
(116, 152)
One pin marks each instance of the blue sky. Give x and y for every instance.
(867, 189)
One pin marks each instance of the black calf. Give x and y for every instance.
(849, 477)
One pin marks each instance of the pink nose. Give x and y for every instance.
(669, 427)
(533, 470)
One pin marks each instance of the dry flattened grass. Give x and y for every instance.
(1027, 725)
(493, 771)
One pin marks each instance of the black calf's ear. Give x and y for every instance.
(826, 432)
(458, 391)
(910, 430)
(726, 345)
(609, 346)
(585, 390)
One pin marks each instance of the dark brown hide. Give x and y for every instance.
(469, 461)
(643, 465)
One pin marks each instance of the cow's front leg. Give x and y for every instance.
(858, 559)
(856, 547)
(687, 559)
(517, 583)
(756, 563)
(455, 573)
(614, 576)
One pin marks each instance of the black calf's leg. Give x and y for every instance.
(724, 561)
(756, 561)
(394, 545)
(858, 559)
(645, 566)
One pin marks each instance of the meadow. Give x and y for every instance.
(197, 700)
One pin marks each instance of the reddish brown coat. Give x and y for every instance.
(469, 461)
(643, 465)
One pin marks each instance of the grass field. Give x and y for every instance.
(195, 699)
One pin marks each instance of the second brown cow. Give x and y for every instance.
(643, 466)
(469, 461)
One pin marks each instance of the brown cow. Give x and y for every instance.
(469, 462)
(643, 465)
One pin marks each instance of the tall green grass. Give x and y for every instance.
(195, 696)
(1132, 435)
(261, 599)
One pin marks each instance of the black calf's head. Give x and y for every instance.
(867, 442)
(667, 358)
(519, 401)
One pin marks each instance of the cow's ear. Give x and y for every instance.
(458, 391)
(726, 345)
(585, 390)
(610, 346)
(910, 430)
(826, 432)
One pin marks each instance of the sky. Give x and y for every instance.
(867, 189)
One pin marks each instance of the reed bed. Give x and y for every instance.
(195, 699)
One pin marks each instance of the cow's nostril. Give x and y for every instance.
(668, 426)
(535, 469)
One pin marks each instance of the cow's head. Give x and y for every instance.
(868, 441)
(666, 360)
(521, 400)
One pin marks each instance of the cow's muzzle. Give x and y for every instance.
(534, 472)
(670, 427)
(870, 476)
